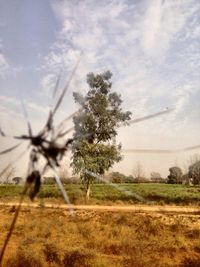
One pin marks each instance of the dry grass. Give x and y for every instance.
(45, 237)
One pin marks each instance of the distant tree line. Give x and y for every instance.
(65, 180)
(117, 177)
(176, 175)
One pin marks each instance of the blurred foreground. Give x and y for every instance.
(49, 237)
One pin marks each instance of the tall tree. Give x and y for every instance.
(17, 180)
(8, 174)
(194, 172)
(94, 148)
(175, 176)
(138, 172)
(155, 177)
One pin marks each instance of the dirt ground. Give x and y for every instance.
(101, 236)
(117, 208)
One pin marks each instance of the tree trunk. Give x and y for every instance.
(88, 191)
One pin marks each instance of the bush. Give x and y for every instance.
(49, 192)
(129, 179)
(117, 177)
(190, 262)
(48, 180)
(23, 259)
(70, 180)
(51, 253)
(77, 259)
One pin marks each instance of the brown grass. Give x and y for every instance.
(45, 237)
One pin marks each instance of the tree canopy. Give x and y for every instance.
(175, 175)
(194, 172)
(94, 148)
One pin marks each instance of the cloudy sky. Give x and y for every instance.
(152, 47)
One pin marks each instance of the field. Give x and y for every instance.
(46, 237)
(106, 194)
(52, 237)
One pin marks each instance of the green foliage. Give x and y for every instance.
(94, 148)
(68, 180)
(175, 175)
(10, 190)
(94, 157)
(48, 180)
(155, 176)
(129, 179)
(106, 194)
(117, 177)
(194, 172)
(17, 180)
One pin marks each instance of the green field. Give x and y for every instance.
(117, 194)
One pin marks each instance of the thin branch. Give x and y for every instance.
(2, 133)
(150, 151)
(64, 193)
(57, 85)
(14, 161)
(191, 148)
(161, 151)
(151, 116)
(25, 114)
(131, 122)
(61, 124)
(65, 88)
(10, 149)
(50, 117)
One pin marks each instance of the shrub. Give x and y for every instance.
(190, 262)
(51, 253)
(23, 259)
(48, 180)
(77, 259)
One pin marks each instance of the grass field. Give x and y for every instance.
(106, 194)
(45, 237)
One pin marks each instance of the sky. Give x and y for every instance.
(152, 48)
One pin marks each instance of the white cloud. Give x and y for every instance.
(3, 64)
(110, 33)
(37, 109)
(11, 107)
(67, 27)
(162, 21)
(151, 47)
(152, 25)
(11, 103)
(87, 27)
(3, 61)
(48, 82)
